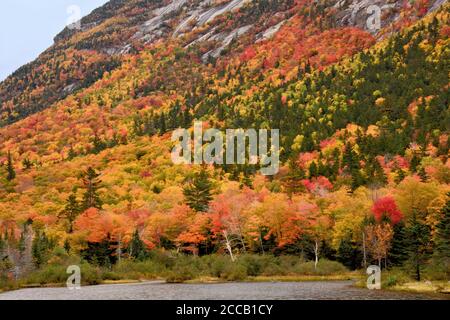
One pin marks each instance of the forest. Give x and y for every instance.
(86, 176)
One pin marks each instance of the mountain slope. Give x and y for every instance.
(80, 57)
(362, 116)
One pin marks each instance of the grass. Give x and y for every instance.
(424, 287)
(178, 268)
(397, 279)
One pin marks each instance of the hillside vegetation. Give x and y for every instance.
(86, 175)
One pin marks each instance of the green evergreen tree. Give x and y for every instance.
(380, 177)
(41, 248)
(443, 234)
(71, 211)
(198, 192)
(11, 173)
(399, 245)
(99, 145)
(91, 183)
(419, 237)
(348, 253)
(136, 248)
(162, 124)
(313, 171)
(357, 179)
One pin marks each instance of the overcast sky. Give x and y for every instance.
(27, 27)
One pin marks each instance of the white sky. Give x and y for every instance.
(27, 28)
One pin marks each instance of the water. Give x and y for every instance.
(155, 290)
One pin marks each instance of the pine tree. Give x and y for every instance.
(198, 192)
(99, 145)
(313, 170)
(91, 199)
(292, 181)
(71, 211)
(357, 179)
(137, 248)
(11, 174)
(419, 236)
(348, 253)
(41, 248)
(399, 245)
(443, 234)
(162, 124)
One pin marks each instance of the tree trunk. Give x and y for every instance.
(119, 249)
(261, 241)
(316, 254)
(228, 244)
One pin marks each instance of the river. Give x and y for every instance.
(156, 290)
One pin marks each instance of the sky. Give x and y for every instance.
(27, 27)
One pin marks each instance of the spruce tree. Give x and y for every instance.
(91, 199)
(41, 248)
(11, 174)
(419, 237)
(71, 211)
(313, 171)
(162, 124)
(348, 253)
(443, 234)
(136, 248)
(198, 192)
(399, 245)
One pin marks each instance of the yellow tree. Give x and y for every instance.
(379, 237)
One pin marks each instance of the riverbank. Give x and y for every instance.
(433, 289)
(160, 290)
(350, 276)
(213, 269)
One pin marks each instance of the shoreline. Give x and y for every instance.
(435, 288)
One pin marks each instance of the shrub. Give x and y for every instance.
(391, 281)
(235, 272)
(179, 274)
(324, 267)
